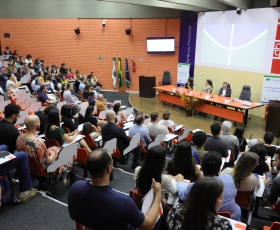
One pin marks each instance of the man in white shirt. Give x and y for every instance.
(28, 59)
(67, 96)
(154, 128)
(34, 77)
(12, 84)
(166, 122)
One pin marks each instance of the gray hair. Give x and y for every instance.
(99, 95)
(226, 126)
(97, 88)
(75, 108)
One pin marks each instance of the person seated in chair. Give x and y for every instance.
(208, 86)
(231, 140)
(166, 121)
(189, 84)
(67, 95)
(86, 199)
(211, 164)
(139, 128)
(21, 163)
(111, 130)
(7, 51)
(225, 91)
(8, 132)
(198, 152)
(43, 96)
(91, 99)
(82, 84)
(102, 104)
(154, 128)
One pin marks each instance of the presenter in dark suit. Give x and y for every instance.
(225, 91)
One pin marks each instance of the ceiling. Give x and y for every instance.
(198, 5)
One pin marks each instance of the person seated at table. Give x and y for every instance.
(21, 163)
(117, 109)
(43, 116)
(86, 199)
(268, 139)
(67, 118)
(64, 79)
(152, 167)
(189, 84)
(89, 129)
(242, 172)
(94, 79)
(166, 121)
(54, 131)
(139, 128)
(51, 86)
(111, 130)
(89, 117)
(215, 143)
(76, 109)
(91, 99)
(211, 165)
(208, 86)
(182, 163)
(272, 191)
(262, 166)
(154, 128)
(229, 139)
(28, 59)
(8, 132)
(7, 51)
(63, 69)
(38, 84)
(239, 132)
(34, 147)
(198, 151)
(102, 104)
(67, 95)
(43, 96)
(41, 76)
(225, 91)
(199, 210)
(82, 84)
(12, 84)
(69, 75)
(86, 91)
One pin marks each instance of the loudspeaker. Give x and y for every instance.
(128, 31)
(77, 30)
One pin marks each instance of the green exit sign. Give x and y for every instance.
(100, 58)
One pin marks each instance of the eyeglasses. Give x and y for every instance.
(18, 115)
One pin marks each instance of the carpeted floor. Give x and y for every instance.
(44, 213)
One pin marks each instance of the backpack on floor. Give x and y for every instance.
(7, 190)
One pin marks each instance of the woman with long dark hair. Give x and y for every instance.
(239, 132)
(189, 84)
(208, 86)
(182, 163)
(152, 167)
(89, 117)
(263, 166)
(66, 113)
(86, 91)
(199, 210)
(117, 109)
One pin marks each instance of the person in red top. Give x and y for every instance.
(69, 75)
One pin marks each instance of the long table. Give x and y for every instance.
(230, 108)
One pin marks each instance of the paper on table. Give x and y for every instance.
(99, 138)
(7, 158)
(236, 225)
(80, 128)
(79, 137)
(23, 127)
(169, 137)
(178, 127)
(147, 202)
(127, 125)
(130, 117)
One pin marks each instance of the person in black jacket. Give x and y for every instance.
(63, 69)
(43, 117)
(225, 91)
(111, 130)
(262, 166)
(66, 113)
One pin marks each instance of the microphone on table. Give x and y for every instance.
(235, 97)
(214, 93)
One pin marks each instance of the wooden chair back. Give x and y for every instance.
(51, 142)
(36, 168)
(82, 154)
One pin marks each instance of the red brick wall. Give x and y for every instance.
(54, 41)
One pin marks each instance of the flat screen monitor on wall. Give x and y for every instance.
(160, 45)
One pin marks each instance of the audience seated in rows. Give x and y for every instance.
(8, 132)
(198, 152)
(139, 128)
(211, 164)
(215, 143)
(111, 130)
(182, 163)
(152, 168)
(154, 128)
(86, 199)
(199, 209)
